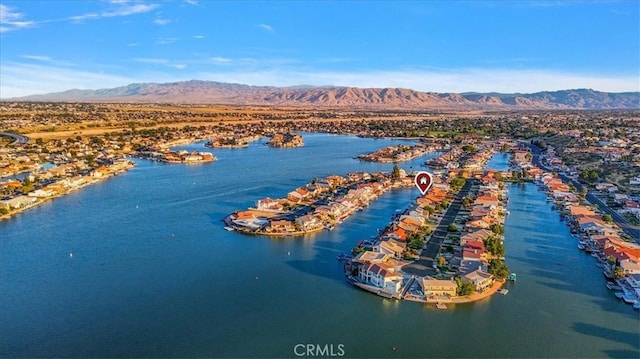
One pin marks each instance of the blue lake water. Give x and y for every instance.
(154, 274)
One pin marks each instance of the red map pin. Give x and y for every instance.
(423, 181)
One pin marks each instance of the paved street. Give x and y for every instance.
(424, 265)
(18, 139)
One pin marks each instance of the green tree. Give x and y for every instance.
(452, 228)
(497, 228)
(458, 183)
(469, 148)
(429, 209)
(607, 218)
(498, 268)
(465, 287)
(466, 202)
(494, 246)
(396, 172)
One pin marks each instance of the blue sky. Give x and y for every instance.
(447, 46)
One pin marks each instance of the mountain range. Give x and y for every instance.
(210, 92)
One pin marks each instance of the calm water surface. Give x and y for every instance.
(153, 274)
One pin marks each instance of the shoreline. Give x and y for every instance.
(42, 200)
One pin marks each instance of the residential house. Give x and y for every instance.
(381, 275)
(477, 235)
(281, 226)
(481, 280)
(17, 202)
(438, 288)
(269, 204)
(309, 222)
(391, 247)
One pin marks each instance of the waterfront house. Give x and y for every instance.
(383, 276)
(629, 266)
(41, 193)
(591, 224)
(281, 226)
(407, 227)
(17, 202)
(437, 288)
(269, 204)
(309, 222)
(476, 224)
(391, 247)
(473, 251)
(478, 235)
(581, 211)
(370, 256)
(335, 181)
(295, 196)
(481, 280)
(487, 200)
(416, 221)
(397, 233)
(379, 270)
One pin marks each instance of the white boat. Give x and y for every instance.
(619, 295)
(613, 286)
(503, 291)
(629, 298)
(581, 247)
(228, 229)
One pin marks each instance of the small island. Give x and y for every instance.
(286, 140)
(232, 141)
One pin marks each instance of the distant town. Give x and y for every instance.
(447, 246)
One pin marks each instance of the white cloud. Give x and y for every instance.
(198, 36)
(220, 60)
(159, 61)
(191, 2)
(267, 28)
(161, 22)
(12, 20)
(166, 40)
(8, 15)
(148, 60)
(26, 79)
(37, 57)
(130, 10)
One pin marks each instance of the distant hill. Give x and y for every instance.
(209, 92)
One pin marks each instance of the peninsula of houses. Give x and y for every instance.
(446, 247)
(399, 153)
(320, 205)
